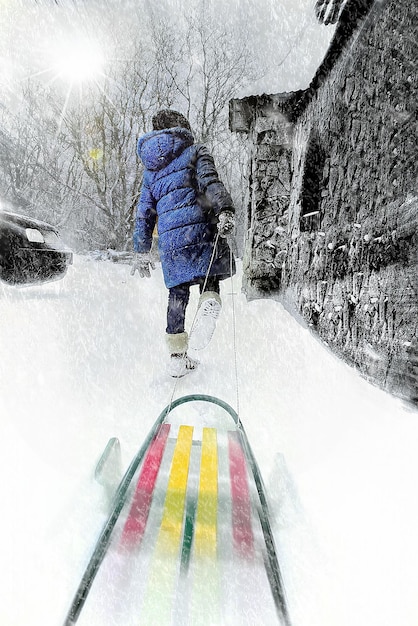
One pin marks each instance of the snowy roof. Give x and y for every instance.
(242, 110)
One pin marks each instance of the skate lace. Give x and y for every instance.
(191, 364)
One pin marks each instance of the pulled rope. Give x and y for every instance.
(234, 330)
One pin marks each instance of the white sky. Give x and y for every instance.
(286, 41)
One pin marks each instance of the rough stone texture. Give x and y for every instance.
(333, 196)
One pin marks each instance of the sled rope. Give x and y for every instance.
(234, 330)
(212, 258)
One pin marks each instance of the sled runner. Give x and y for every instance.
(188, 540)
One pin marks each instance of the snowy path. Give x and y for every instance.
(83, 360)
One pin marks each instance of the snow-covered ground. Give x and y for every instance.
(83, 360)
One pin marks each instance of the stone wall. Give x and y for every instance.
(269, 193)
(333, 197)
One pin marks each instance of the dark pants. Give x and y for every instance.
(178, 299)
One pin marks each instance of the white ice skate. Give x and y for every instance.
(205, 323)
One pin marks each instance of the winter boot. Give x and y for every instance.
(210, 306)
(180, 363)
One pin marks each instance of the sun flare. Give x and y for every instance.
(78, 61)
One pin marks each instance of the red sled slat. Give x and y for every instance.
(136, 521)
(241, 502)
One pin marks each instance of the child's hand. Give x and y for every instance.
(142, 264)
(226, 223)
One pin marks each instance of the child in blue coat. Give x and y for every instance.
(182, 193)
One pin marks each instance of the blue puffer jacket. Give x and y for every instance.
(182, 189)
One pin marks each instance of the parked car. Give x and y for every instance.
(31, 251)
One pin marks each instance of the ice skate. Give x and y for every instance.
(205, 323)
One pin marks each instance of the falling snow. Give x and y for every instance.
(84, 360)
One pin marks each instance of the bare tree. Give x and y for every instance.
(103, 135)
(37, 174)
(204, 65)
(74, 161)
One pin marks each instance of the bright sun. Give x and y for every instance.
(78, 61)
